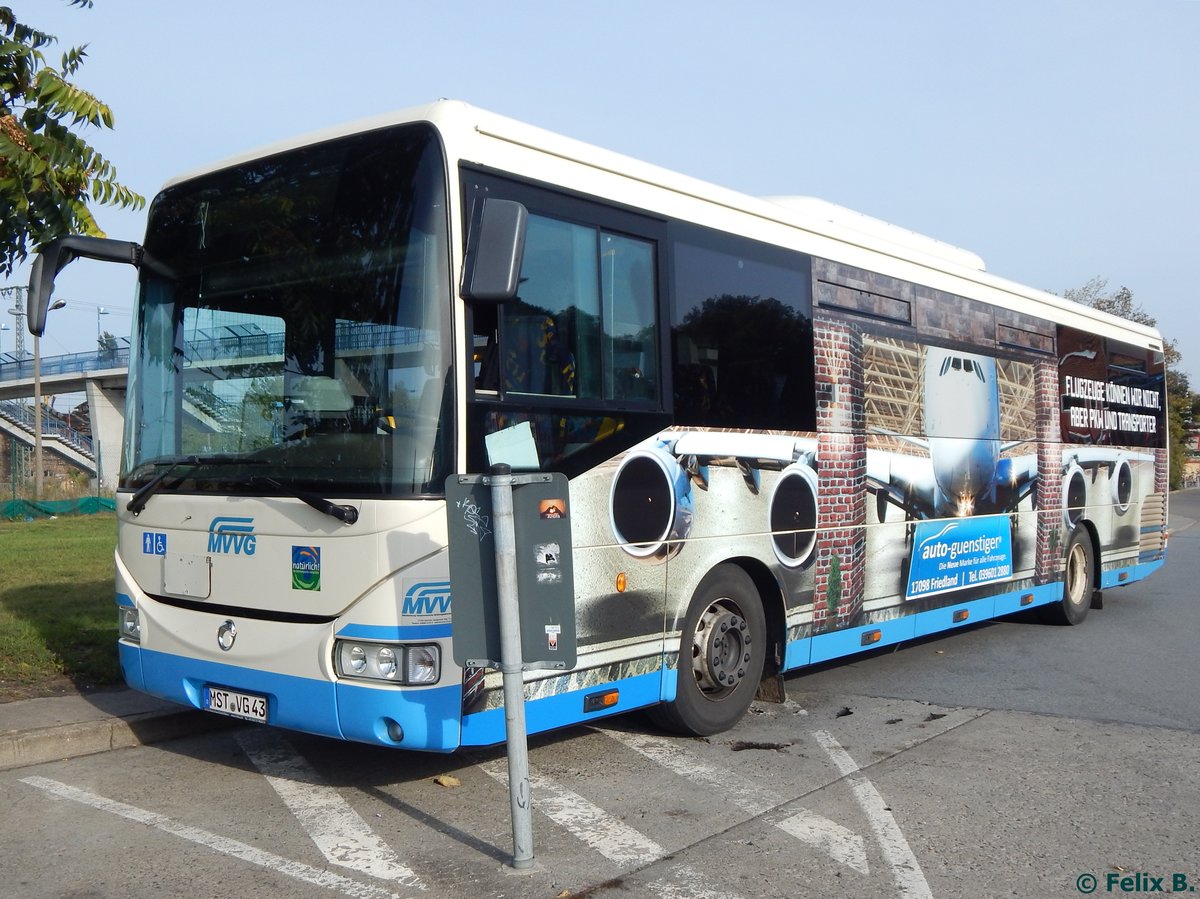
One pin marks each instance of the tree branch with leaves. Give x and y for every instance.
(50, 176)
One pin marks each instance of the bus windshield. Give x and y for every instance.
(302, 334)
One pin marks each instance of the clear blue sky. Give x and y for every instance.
(1056, 138)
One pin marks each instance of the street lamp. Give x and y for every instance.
(99, 312)
(37, 410)
(19, 314)
(3, 327)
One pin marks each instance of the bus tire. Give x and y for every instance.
(722, 647)
(1079, 580)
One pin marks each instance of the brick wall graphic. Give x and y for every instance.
(841, 476)
(1049, 549)
(878, 478)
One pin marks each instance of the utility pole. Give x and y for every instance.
(17, 294)
(37, 421)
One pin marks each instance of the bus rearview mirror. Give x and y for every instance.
(57, 255)
(495, 247)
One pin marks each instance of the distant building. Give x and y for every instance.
(1191, 469)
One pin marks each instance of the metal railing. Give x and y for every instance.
(117, 356)
(215, 345)
(24, 417)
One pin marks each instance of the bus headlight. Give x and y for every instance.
(391, 663)
(129, 624)
(385, 661)
(424, 663)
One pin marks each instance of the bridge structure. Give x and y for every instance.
(101, 375)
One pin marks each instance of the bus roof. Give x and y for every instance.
(877, 245)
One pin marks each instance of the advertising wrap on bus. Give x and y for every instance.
(785, 442)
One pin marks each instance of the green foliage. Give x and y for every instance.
(49, 175)
(1180, 400)
(833, 593)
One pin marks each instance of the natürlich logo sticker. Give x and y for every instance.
(306, 568)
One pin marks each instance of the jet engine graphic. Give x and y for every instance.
(1121, 482)
(972, 472)
(652, 505)
(1120, 479)
(793, 515)
(1074, 494)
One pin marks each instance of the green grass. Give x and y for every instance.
(58, 620)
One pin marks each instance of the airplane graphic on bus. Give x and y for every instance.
(959, 469)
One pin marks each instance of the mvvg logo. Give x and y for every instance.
(428, 601)
(231, 535)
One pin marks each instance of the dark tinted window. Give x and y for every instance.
(741, 333)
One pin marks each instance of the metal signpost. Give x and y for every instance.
(513, 605)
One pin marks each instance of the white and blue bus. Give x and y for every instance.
(792, 433)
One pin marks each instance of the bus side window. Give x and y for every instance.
(630, 328)
(537, 358)
(576, 352)
(742, 333)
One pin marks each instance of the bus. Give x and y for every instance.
(792, 433)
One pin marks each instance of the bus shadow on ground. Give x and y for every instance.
(58, 637)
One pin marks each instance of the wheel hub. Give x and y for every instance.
(1076, 574)
(720, 649)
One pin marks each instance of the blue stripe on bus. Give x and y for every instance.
(936, 621)
(487, 728)
(670, 685)
(298, 703)
(394, 632)
(1044, 594)
(847, 642)
(797, 654)
(428, 717)
(1133, 574)
(123, 599)
(826, 647)
(343, 710)
(130, 657)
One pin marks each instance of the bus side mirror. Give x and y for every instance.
(495, 248)
(57, 255)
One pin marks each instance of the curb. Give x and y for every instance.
(67, 741)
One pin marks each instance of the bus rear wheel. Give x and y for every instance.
(722, 647)
(1079, 580)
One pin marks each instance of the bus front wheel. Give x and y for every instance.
(721, 651)
(1079, 580)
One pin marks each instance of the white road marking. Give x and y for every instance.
(842, 845)
(212, 841)
(673, 756)
(906, 871)
(337, 829)
(674, 889)
(608, 835)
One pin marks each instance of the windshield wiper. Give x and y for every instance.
(345, 514)
(139, 499)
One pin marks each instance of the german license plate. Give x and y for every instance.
(235, 704)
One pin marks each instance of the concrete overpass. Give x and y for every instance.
(101, 375)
